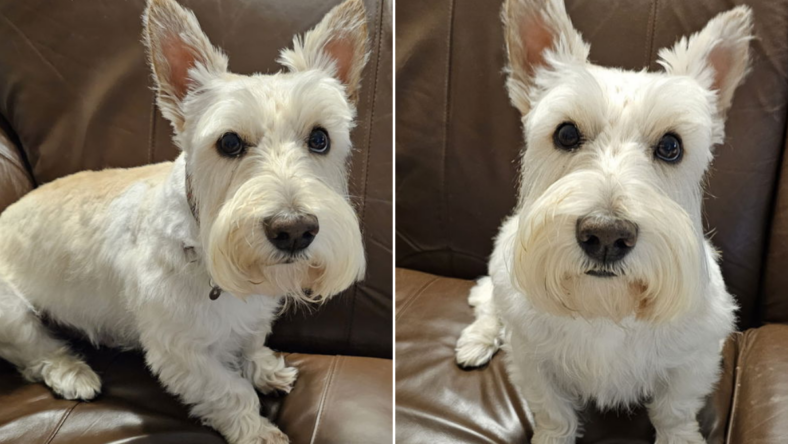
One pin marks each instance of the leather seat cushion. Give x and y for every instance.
(337, 399)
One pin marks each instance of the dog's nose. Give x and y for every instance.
(291, 233)
(606, 239)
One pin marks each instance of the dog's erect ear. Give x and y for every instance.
(718, 56)
(338, 45)
(180, 54)
(537, 33)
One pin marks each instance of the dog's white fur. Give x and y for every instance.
(126, 256)
(654, 331)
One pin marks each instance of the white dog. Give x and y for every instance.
(602, 285)
(140, 257)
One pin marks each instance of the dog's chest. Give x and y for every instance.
(599, 361)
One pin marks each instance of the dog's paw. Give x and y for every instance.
(680, 438)
(280, 380)
(72, 379)
(548, 438)
(474, 350)
(269, 434)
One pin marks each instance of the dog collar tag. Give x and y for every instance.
(215, 293)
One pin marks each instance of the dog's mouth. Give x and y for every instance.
(601, 273)
(293, 258)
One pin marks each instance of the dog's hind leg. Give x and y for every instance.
(26, 343)
(480, 340)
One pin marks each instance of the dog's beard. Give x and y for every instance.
(658, 281)
(242, 261)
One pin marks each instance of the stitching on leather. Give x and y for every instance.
(373, 99)
(61, 422)
(331, 370)
(651, 37)
(416, 295)
(444, 215)
(737, 371)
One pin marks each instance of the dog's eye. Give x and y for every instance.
(319, 141)
(669, 148)
(231, 145)
(567, 136)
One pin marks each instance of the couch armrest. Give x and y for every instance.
(15, 181)
(760, 387)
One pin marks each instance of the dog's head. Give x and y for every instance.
(612, 175)
(267, 155)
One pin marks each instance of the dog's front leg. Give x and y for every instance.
(676, 402)
(221, 397)
(554, 414)
(267, 372)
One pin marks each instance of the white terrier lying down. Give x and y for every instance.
(602, 286)
(140, 257)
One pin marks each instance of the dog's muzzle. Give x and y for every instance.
(605, 239)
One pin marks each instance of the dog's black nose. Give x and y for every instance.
(606, 239)
(291, 233)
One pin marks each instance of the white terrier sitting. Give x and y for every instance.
(130, 257)
(602, 285)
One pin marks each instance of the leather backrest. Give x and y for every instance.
(458, 137)
(75, 88)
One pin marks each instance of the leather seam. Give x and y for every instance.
(62, 421)
(324, 395)
(444, 216)
(416, 295)
(737, 371)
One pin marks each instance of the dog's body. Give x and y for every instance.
(602, 286)
(191, 260)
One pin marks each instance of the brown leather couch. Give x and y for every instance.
(457, 141)
(75, 94)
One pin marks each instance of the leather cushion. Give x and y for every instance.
(337, 399)
(437, 402)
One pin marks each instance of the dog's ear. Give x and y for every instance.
(338, 45)
(180, 54)
(718, 56)
(538, 33)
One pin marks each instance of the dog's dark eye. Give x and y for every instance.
(669, 148)
(319, 141)
(567, 136)
(231, 145)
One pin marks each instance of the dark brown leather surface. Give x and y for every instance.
(437, 402)
(337, 399)
(458, 136)
(75, 87)
(758, 414)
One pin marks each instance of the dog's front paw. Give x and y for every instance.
(693, 437)
(280, 380)
(269, 373)
(255, 430)
(71, 378)
(550, 438)
(473, 349)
